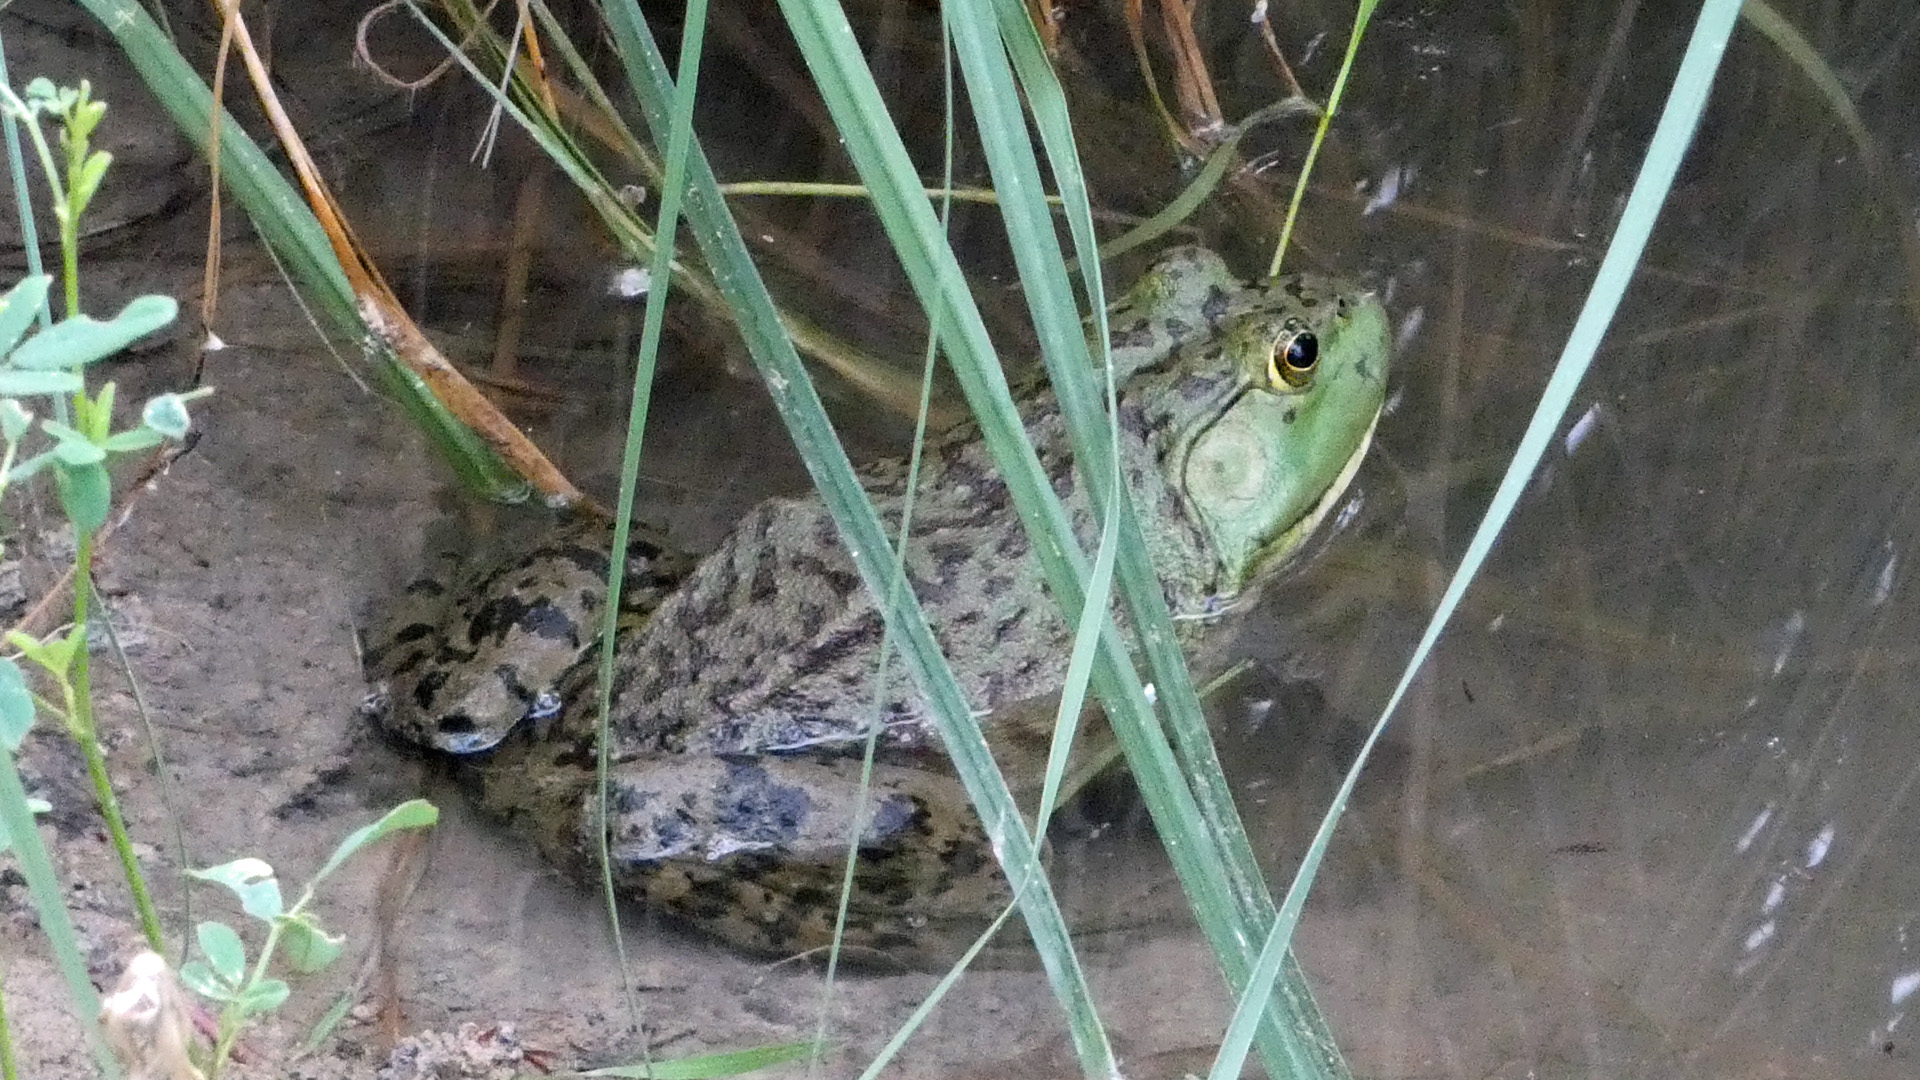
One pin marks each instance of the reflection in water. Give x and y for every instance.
(1658, 807)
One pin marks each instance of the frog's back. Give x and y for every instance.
(773, 642)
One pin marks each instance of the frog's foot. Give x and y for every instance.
(753, 850)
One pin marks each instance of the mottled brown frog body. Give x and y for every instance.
(743, 688)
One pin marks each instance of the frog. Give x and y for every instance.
(743, 688)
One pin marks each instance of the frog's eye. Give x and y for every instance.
(1291, 364)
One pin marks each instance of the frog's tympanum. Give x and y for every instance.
(744, 682)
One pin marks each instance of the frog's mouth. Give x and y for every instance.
(1245, 564)
(1294, 536)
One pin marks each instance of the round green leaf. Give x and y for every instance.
(41, 92)
(263, 996)
(167, 414)
(224, 950)
(200, 979)
(78, 452)
(14, 419)
(252, 882)
(306, 944)
(80, 340)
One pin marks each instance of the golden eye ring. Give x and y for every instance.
(1291, 364)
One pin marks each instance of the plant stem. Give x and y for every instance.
(233, 1016)
(8, 1071)
(70, 263)
(80, 723)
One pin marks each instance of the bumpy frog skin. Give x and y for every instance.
(743, 684)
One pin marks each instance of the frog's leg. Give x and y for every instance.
(753, 849)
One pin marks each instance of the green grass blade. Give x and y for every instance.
(1073, 692)
(1047, 102)
(679, 143)
(286, 224)
(705, 1066)
(23, 201)
(1205, 837)
(49, 903)
(799, 406)
(927, 1004)
(1762, 17)
(1685, 104)
(1226, 153)
(9, 1070)
(1360, 19)
(1048, 105)
(903, 536)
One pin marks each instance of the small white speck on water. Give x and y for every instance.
(1581, 429)
(1883, 586)
(1789, 636)
(1820, 845)
(1388, 192)
(629, 283)
(1410, 327)
(1753, 831)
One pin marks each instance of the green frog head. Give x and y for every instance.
(1260, 425)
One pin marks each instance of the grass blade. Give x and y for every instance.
(1187, 796)
(799, 406)
(286, 224)
(49, 903)
(1360, 19)
(1685, 104)
(679, 143)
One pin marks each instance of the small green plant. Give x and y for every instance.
(80, 436)
(42, 364)
(242, 989)
(49, 364)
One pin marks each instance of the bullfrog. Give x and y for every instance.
(744, 691)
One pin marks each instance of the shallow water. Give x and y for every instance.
(1647, 814)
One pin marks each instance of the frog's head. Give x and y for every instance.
(463, 689)
(466, 662)
(1279, 407)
